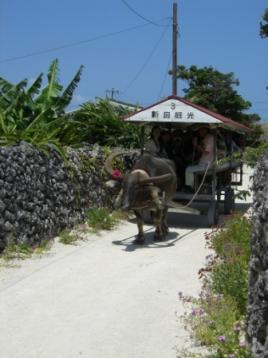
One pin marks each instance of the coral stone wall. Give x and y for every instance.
(257, 321)
(40, 194)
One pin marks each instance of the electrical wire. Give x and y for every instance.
(141, 16)
(165, 77)
(41, 52)
(146, 62)
(131, 100)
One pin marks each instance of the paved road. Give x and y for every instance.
(104, 297)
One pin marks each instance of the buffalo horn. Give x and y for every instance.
(109, 160)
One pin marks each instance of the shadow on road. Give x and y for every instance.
(177, 221)
(186, 221)
(170, 240)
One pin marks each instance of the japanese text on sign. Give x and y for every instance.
(174, 115)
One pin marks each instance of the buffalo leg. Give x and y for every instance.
(164, 221)
(159, 235)
(140, 237)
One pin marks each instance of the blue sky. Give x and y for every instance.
(222, 34)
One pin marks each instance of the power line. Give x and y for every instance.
(165, 77)
(41, 52)
(141, 16)
(130, 99)
(146, 61)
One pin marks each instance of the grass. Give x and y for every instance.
(103, 219)
(43, 247)
(216, 318)
(67, 238)
(21, 251)
(97, 219)
(16, 251)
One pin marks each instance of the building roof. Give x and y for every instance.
(117, 102)
(177, 110)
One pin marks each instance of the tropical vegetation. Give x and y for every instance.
(264, 25)
(37, 114)
(102, 123)
(217, 318)
(216, 91)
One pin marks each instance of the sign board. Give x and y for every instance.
(172, 111)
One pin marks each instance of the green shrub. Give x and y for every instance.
(231, 279)
(229, 275)
(65, 237)
(100, 219)
(102, 123)
(35, 114)
(215, 322)
(216, 319)
(252, 155)
(18, 251)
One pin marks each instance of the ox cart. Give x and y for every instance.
(215, 183)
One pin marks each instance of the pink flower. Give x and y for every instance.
(237, 327)
(221, 338)
(194, 312)
(197, 312)
(232, 355)
(116, 174)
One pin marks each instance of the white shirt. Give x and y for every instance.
(208, 150)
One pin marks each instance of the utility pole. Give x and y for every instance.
(174, 49)
(113, 93)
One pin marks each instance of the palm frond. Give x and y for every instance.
(53, 84)
(10, 99)
(21, 85)
(67, 95)
(34, 89)
(53, 88)
(5, 85)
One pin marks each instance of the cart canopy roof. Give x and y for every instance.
(179, 111)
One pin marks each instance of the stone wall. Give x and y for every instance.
(257, 320)
(40, 194)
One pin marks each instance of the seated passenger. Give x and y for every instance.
(154, 146)
(178, 156)
(206, 150)
(167, 139)
(221, 146)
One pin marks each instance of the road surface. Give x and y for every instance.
(103, 297)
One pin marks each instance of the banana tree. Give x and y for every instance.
(102, 123)
(35, 114)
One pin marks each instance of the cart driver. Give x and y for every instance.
(155, 145)
(203, 143)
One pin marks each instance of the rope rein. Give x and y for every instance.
(199, 188)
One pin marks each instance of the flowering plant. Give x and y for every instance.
(116, 174)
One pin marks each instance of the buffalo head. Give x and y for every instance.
(138, 190)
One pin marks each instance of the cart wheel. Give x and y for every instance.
(229, 200)
(213, 213)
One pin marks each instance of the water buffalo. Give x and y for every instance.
(150, 184)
